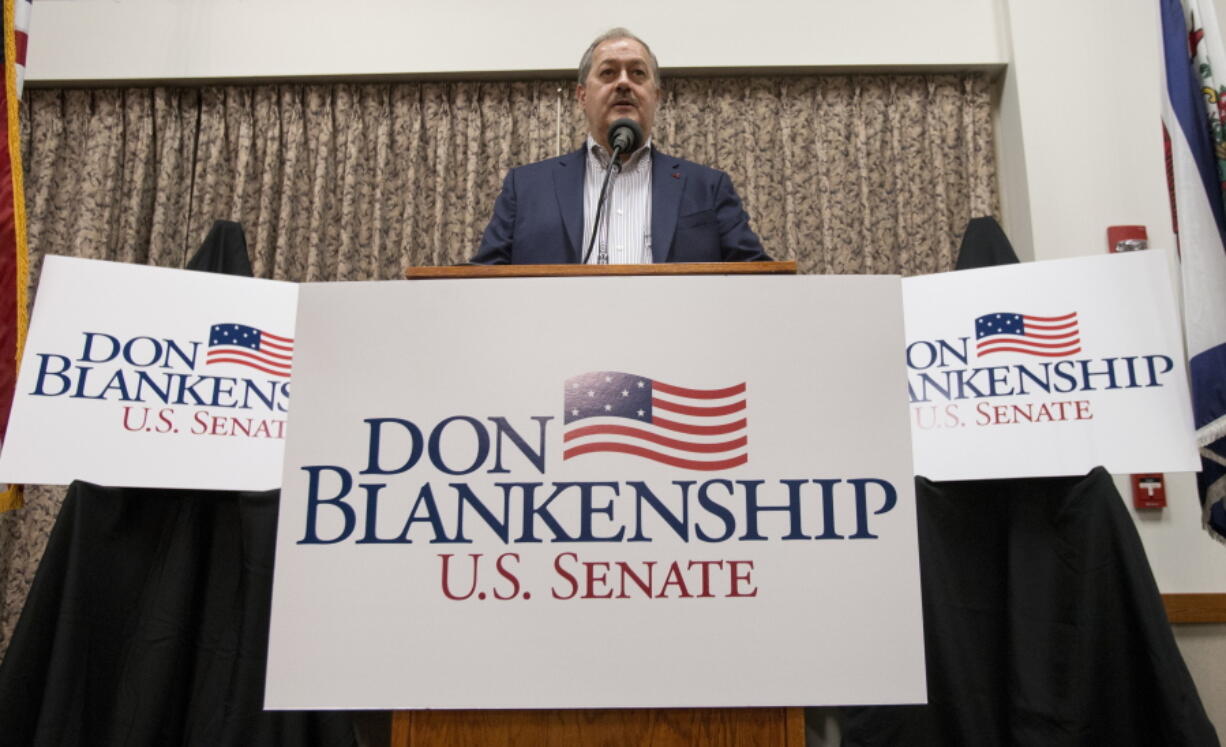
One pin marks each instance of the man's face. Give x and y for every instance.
(620, 84)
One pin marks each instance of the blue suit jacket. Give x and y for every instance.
(696, 215)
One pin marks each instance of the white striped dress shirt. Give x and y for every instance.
(625, 231)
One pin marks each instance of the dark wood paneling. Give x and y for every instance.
(1195, 608)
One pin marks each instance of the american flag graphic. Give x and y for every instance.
(248, 346)
(1045, 336)
(699, 429)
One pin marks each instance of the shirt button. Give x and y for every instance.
(620, 247)
(621, 212)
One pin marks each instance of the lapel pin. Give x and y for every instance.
(676, 174)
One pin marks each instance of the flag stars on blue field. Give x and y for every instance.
(999, 324)
(234, 334)
(608, 394)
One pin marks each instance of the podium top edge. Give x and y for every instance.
(550, 271)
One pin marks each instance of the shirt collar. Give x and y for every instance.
(601, 155)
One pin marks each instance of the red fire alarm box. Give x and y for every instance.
(1148, 491)
(1126, 238)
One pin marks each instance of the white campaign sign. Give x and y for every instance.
(1048, 368)
(597, 492)
(129, 378)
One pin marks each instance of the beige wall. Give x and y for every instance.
(160, 39)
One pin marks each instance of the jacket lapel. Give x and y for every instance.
(568, 185)
(667, 183)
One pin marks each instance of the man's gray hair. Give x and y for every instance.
(585, 63)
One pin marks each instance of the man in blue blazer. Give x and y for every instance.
(660, 208)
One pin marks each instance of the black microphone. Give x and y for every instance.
(625, 135)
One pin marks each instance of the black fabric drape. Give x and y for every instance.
(224, 250)
(147, 624)
(984, 244)
(1042, 624)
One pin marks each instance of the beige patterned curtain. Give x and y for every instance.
(845, 174)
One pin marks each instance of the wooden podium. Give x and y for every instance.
(663, 727)
(555, 271)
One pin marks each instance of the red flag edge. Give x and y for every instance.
(17, 273)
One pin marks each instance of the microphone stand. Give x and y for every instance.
(614, 165)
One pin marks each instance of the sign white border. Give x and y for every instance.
(365, 624)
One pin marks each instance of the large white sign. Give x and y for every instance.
(1048, 368)
(597, 492)
(140, 376)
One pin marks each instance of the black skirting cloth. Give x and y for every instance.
(1042, 624)
(147, 624)
(984, 244)
(223, 250)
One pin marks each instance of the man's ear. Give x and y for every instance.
(580, 94)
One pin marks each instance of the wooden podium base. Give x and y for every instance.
(663, 727)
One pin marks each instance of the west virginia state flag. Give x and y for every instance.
(1196, 169)
(14, 256)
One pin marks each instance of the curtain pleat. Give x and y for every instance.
(355, 181)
